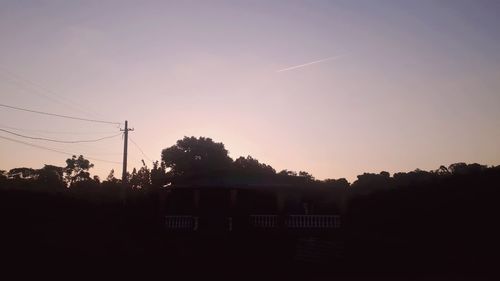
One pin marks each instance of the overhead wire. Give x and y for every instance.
(57, 151)
(140, 149)
(52, 132)
(58, 115)
(43, 91)
(85, 146)
(59, 141)
(32, 84)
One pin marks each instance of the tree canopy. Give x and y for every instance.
(77, 169)
(195, 158)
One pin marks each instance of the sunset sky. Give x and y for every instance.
(335, 88)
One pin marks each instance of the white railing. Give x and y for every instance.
(313, 221)
(181, 223)
(190, 223)
(264, 221)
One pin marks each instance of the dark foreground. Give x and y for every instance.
(60, 233)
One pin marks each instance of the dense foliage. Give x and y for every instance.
(441, 220)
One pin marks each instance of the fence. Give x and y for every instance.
(264, 221)
(188, 223)
(313, 221)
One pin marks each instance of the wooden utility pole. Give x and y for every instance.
(125, 148)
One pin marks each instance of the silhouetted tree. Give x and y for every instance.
(368, 183)
(292, 177)
(77, 169)
(51, 176)
(250, 170)
(306, 176)
(413, 178)
(3, 178)
(111, 177)
(158, 175)
(389, 222)
(134, 180)
(144, 177)
(140, 178)
(287, 173)
(196, 158)
(466, 169)
(23, 173)
(341, 184)
(442, 171)
(111, 185)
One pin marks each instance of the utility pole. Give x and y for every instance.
(125, 148)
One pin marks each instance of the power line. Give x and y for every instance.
(78, 145)
(57, 151)
(59, 115)
(138, 147)
(60, 141)
(52, 132)
(22, 88)
(40, 89)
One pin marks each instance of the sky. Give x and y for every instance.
(335, 88)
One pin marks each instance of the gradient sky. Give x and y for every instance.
(412, 84)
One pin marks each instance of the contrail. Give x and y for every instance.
(309, 63)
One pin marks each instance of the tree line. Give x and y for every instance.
(201, 161)
(440, 220)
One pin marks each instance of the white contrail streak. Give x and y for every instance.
(309, 63)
